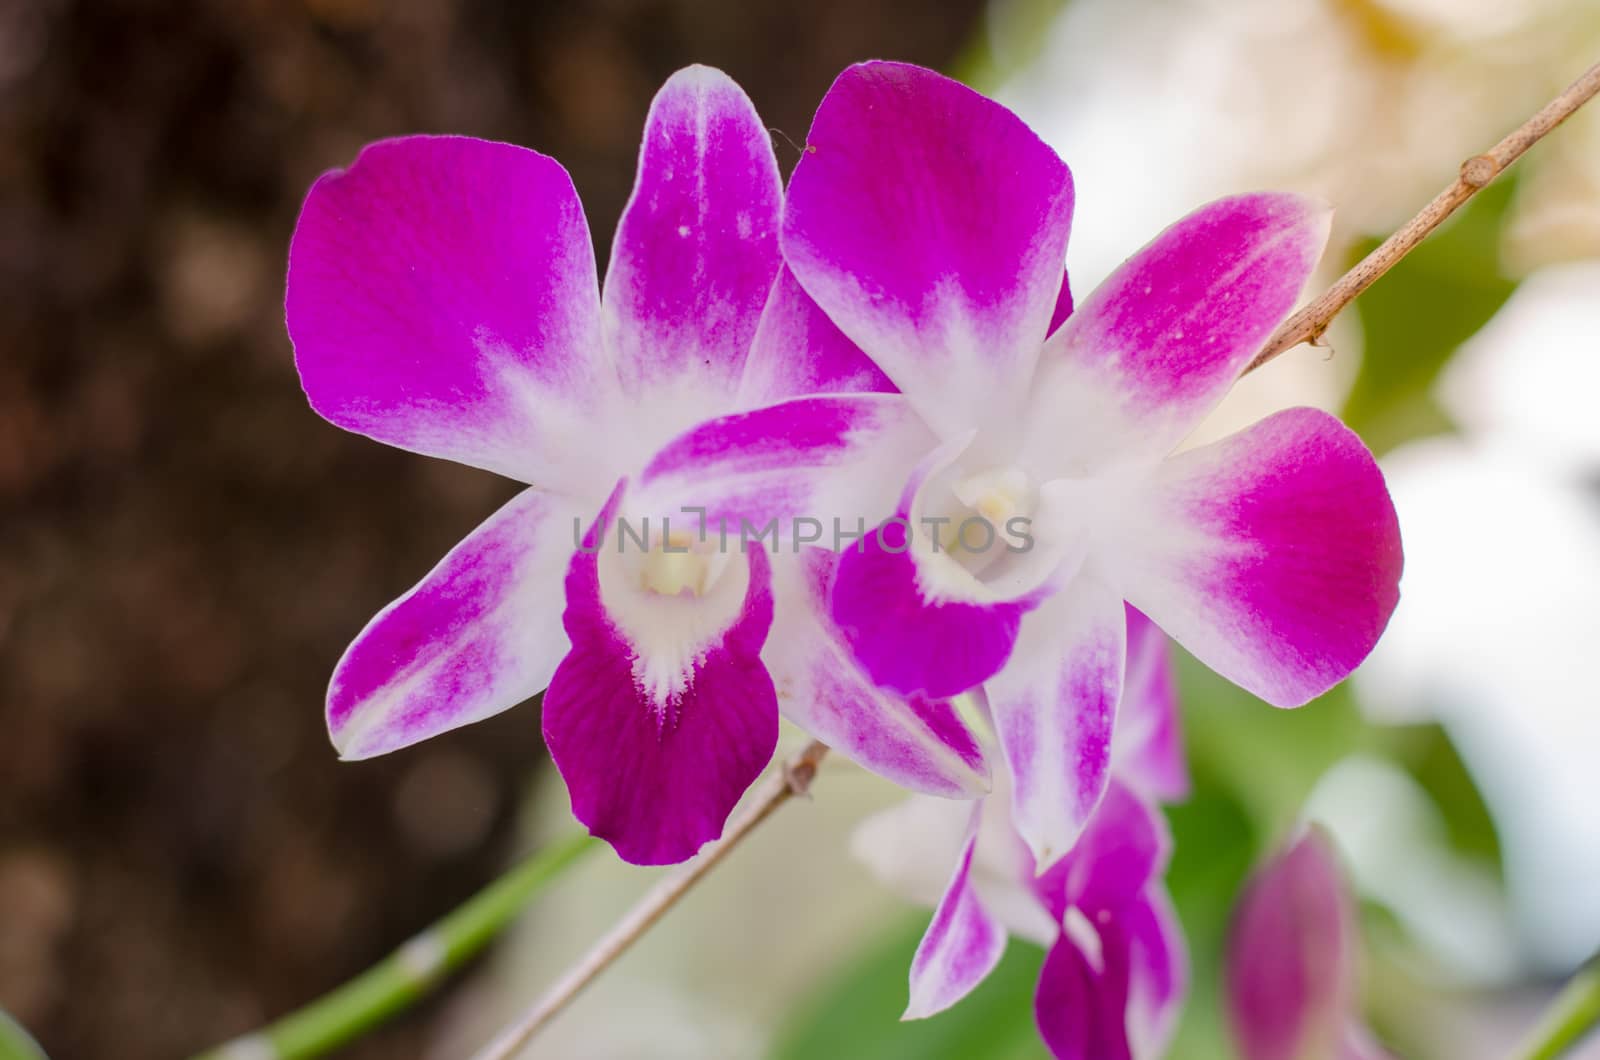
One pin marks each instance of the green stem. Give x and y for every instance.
(15, 1043)
(411, 971)
(1570, 1017)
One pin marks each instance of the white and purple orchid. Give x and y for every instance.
(442, 297)
(1115, 974)
(1292, 960)
(930, 224)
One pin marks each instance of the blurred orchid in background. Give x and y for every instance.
(1115, 975)
(1292, 960)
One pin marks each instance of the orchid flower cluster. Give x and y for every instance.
(847, 452)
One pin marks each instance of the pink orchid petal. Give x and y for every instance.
(918, 743)
(479, 634)
(662, 714)
(1124, 847)
(1054, 705)
(1158, 969)
(1064, 304)
(906, 641)
(696, 251)
(1273, 555)
(962, 945)
(1290, 970)
(1119, 992)
(1358, 1044)
(798, 350)
(1081, 1002)
(442, 298)
(931, 224)
(830, 459)
(1148, 749)
(1114, 983)
(1157, 345)
(915, 620)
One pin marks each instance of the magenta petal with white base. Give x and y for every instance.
(1291, 960)
(916, 619)
(1111, 986)
(962, 945)
(696, 251)
(1054, 707)
(798, 350)
(1273, 555)
(919, 743)
(931, 224)
(1125, 846)
(906, 642)
(442, 298)
(479, 634)
(833, 459)
(662, 714)
(1157, 345)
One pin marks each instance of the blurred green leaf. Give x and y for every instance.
(1414, 319)
(856, 1013)
(1013, 34)
(1265, 758)
(1427, 753)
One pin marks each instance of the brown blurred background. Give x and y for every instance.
(185, 548)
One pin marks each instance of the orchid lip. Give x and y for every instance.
(675, 568)
(997, 507)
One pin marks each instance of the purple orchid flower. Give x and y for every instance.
(1115, 973)
(930, 224)
(1291, 962)
(442, 297)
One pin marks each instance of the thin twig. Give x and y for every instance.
(794, 778)
(1309, 323)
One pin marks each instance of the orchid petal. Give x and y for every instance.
(962, 945)
(662, 714)
(1081, 1002)
(931, 224)
(1158, 970)
(909, 846)
(1124, 847)
(918, 743)
(1273, 555)
(1054, 704)
(480, 633)
(1113, 986)
(442, 298)
(1157, 345)
(696, 251)
(918, 621)
(1064, 305)
(1357, 1043)
(827, 460)
(1291, 956)
(1148, 749)
(798, 350)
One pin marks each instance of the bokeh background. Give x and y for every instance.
(185, 549)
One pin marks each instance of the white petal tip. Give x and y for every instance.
(920, 1009)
